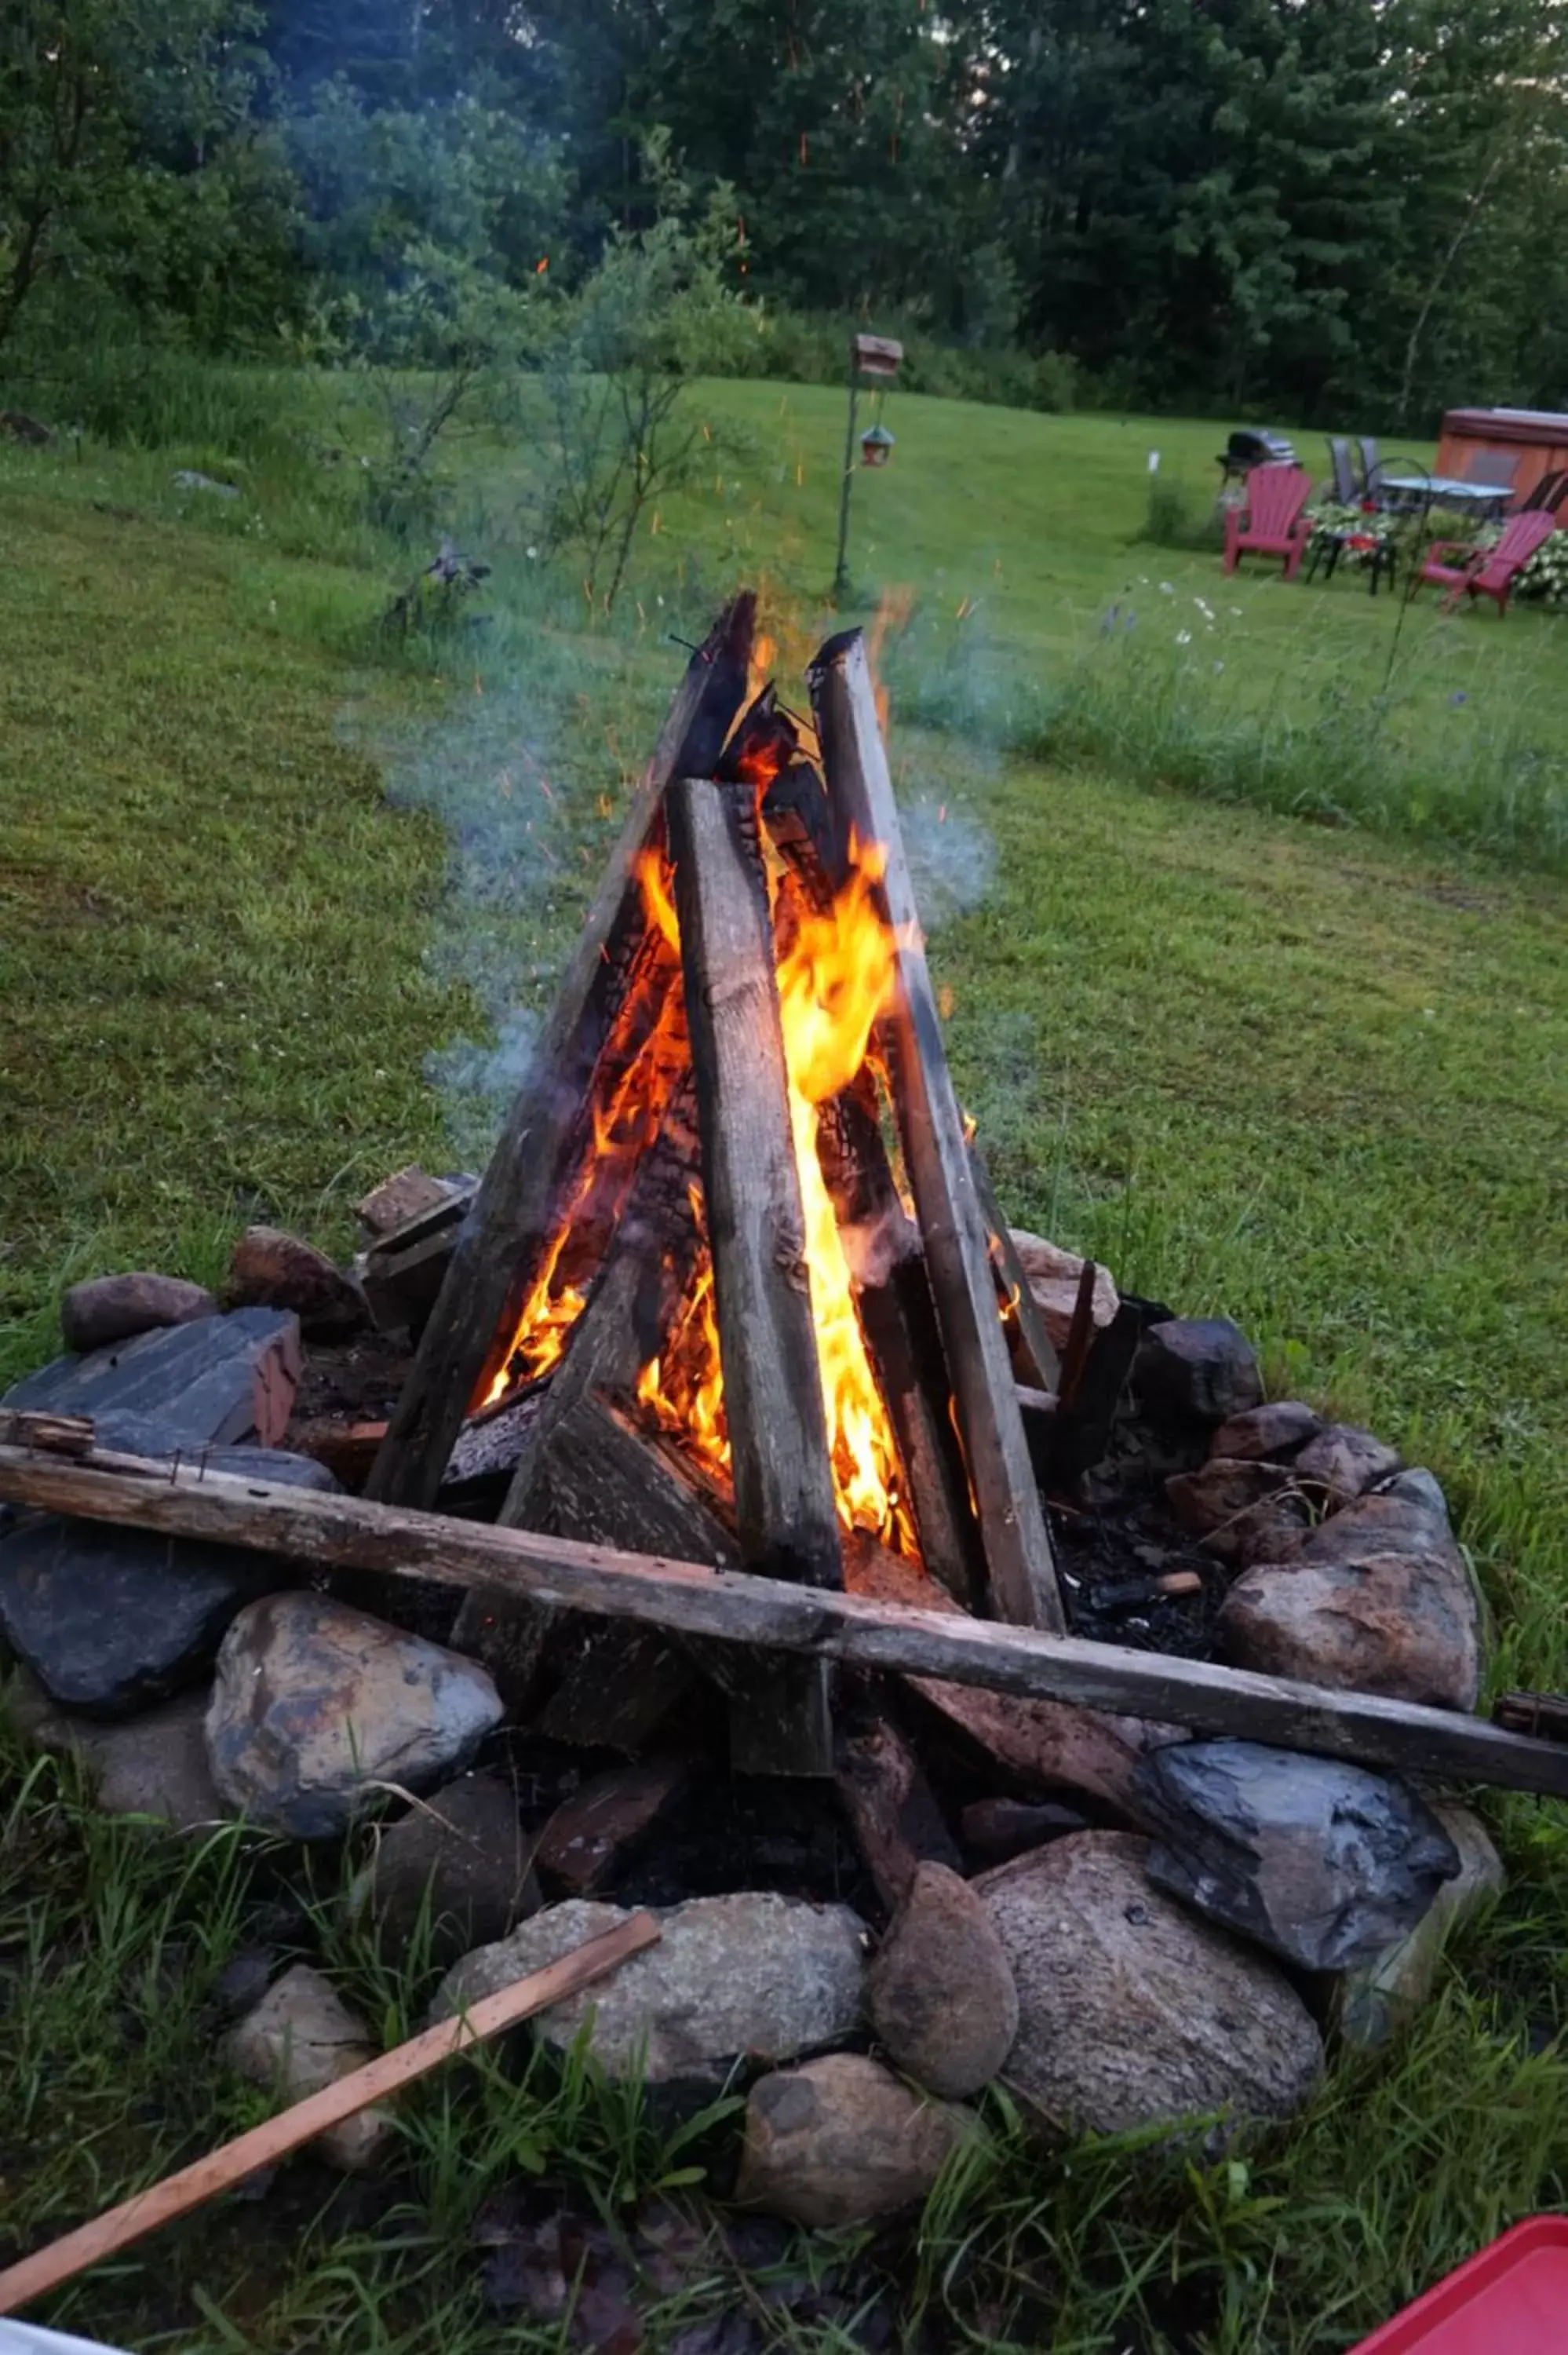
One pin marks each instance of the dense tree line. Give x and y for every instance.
(1349, 207)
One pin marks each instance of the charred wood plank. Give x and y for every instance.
(784, 1505)
(617, 1332)
(589, 1835)
(490, 1268)
(896, 1821)
(351, 1533)
(1012, 1523)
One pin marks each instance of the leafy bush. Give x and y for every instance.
(1545, 576)
(1173, 519)
(656, 311)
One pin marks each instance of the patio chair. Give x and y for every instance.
(1485, 572)
(1347, 490)
(1270, 521)
(1371, 463)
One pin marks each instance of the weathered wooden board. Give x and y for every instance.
(784, 1505)
(351, 1533)
(1012, 1522)
(490, 1268)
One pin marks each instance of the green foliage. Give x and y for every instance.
(130, 164)
(655, 312)
(1175, 519)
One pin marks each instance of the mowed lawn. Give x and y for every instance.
(1311, 1078)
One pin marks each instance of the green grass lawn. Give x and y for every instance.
(258, 869)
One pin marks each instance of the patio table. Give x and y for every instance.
(1447, 491)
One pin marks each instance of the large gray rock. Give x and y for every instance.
(943, 2004)
(1344, 1461)
(109, 1308)
(155, 1764)
(841, 2141)
(317, 1708)
(271, 1269)
(1378, 1598)
(1373, 2002)
(206, 1385)
(749, 1976)
(300, 2039)
(460, 1861)
(1195, 1370)
(1131, 2010)
(111, 1620)
(1325, 1863)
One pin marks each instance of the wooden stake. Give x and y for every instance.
(785, 1512)
(1012, 1523)
(487, 1278)
(351, 1533)
(222, 2168)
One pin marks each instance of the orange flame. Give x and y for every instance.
(835, 976)
(892, 614)
(835, 979)
(644, 1056)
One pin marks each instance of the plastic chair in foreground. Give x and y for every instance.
(1271, 522)
(1487, 573)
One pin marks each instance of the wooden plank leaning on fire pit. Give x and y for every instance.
(780, 1720)
(487, 1279)
(351, 1533)
(1012, 1522)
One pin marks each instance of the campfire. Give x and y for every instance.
(732, 1260)
(723, 1421)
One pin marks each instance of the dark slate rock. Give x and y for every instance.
(136, 1434)
(1322, 1862)
(109, 1308)
(209, 1384)
(109, 1620)
(1196, 1369)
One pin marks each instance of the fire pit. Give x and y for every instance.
(793, 1546)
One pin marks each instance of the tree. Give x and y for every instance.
(656, 311)
(105, 106)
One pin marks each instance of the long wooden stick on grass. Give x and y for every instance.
(222, 2168)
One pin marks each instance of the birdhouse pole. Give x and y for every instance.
(876, 357)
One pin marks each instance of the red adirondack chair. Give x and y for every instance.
(1269, 522)
(1487, 573)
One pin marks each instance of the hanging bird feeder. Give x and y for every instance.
(875, 359)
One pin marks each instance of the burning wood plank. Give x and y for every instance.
(349, 1532)
(469, 1334)
(1018, 1548)
(784, 1501)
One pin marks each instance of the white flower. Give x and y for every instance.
(1218, 668)
(533, 555)
(1207, 611)
(1235, 610)
(1183, 638)
(1165, 590)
